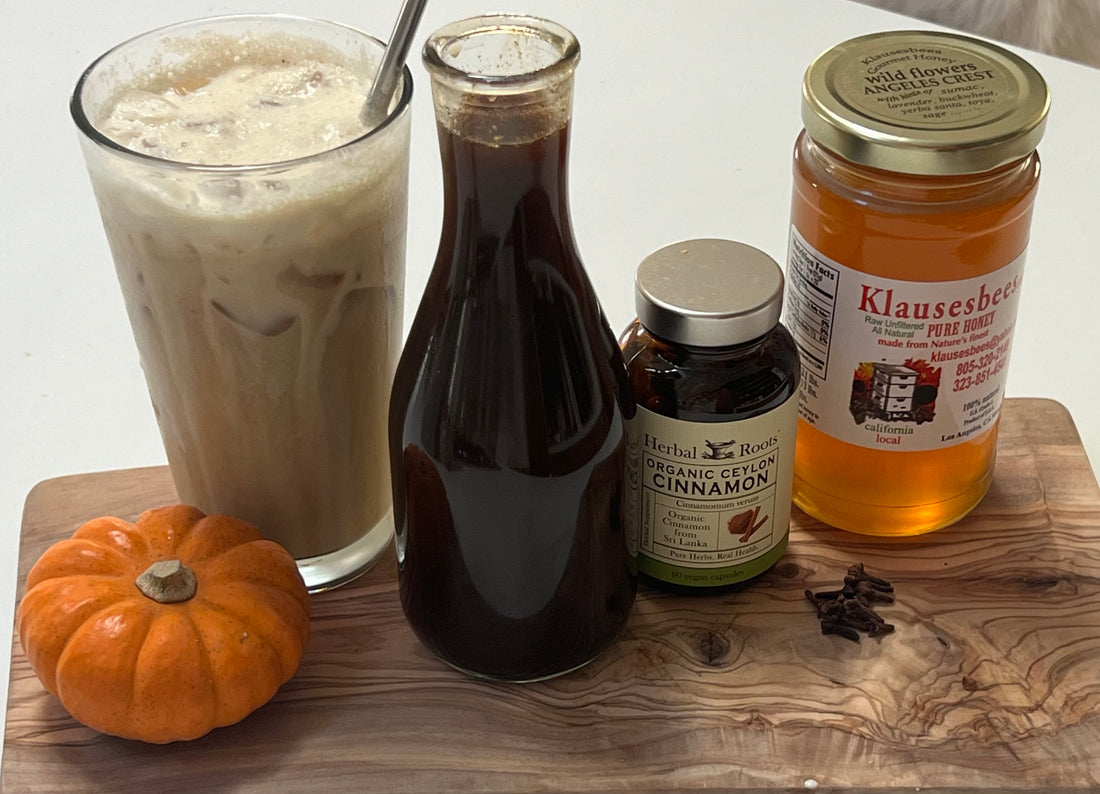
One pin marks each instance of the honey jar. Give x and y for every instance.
(914, 181)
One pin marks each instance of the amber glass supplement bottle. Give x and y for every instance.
(914, 181)
(711, 448)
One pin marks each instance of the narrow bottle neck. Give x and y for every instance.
(504, 152)
(497, 179)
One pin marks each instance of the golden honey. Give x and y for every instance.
(914, 182)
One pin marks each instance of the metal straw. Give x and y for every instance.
(385, 79)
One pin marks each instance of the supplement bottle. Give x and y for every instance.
(914, 181)
(711, 447)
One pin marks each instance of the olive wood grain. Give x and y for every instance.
(990, 683)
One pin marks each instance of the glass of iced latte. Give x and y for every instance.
(258, 231)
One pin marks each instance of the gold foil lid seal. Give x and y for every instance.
(923, 102)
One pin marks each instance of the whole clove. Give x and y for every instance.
(848, 612)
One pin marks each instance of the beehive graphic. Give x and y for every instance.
(894, 392)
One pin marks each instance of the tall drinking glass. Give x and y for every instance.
(258, 235)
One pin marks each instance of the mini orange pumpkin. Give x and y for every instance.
(163, 629)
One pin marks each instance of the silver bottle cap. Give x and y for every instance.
(708, 293)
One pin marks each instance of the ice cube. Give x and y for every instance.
(258, 323)
(223, 189)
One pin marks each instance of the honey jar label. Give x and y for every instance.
(709, 504)
(899, 365)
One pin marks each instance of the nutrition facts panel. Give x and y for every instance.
(811, 303)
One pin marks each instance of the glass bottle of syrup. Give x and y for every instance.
(507, 436)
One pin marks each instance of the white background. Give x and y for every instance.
(684, 119)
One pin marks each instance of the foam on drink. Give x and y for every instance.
(241, 102)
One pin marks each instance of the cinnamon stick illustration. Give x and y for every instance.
(746, 523)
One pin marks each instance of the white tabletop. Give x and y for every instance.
(684, 119)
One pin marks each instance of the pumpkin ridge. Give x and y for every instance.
(215, 535)
(256, 691)
(167, 527)
(251, 631)
(288, 621)
(103, 532)
(218, 719)
(53, 563)
(78, 578)
(156, 611)
(244, 546)
(270, 587)
(70, 580)
(207, 668)
(273, 575)
(92, 618)
(42, 640)
(136, 658)
(62, 658)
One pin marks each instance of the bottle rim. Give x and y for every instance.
(924, 102)
(457, 52)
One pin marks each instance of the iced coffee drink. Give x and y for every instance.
(258, 231)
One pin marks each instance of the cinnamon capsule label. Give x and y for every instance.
(899, 365)
(710, 502)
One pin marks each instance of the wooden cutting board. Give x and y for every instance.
(991, 681)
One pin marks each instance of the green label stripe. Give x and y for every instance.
(710, 577)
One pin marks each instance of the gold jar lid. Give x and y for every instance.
(924, 102)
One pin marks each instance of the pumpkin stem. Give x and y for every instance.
(167, 582)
